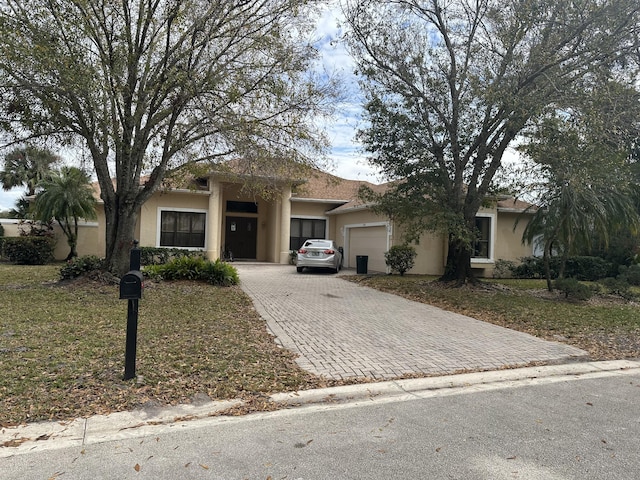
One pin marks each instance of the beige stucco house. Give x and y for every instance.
(215, 214)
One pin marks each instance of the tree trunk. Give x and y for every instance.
(563, 262)
(458, 267)
(73, 252)
(72, 240)
(120, 232)
(547, 267)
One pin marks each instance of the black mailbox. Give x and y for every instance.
(131, 285)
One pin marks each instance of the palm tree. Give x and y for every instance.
(573, 214)
(586, 193)
(66, 196)
(26, 166)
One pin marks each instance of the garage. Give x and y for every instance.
(370, 241)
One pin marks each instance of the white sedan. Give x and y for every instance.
(318, 253)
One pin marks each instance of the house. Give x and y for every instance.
(216, 214)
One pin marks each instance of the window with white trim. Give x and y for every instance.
(182, 229)
(482, 246)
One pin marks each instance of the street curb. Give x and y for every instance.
(420, 385)
(102, 428)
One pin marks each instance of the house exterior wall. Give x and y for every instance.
(149, 217)
(506, 242)
(510, 246)
(430, 254)
(316, 210)
(431, 249)
(89, 241)
(361, 232)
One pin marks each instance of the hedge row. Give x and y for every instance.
(160, 256)
(27, 250)
(583, 268)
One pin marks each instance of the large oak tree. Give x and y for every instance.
(147, 86)
(451, 84)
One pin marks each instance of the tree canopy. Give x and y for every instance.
(148, 86)
(26, 167)
(585, 190)
(451, 85)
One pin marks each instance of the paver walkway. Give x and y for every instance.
(344, 330)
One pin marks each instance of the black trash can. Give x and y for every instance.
(361, 263)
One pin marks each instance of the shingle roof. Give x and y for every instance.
(511, 204)
(323, 186)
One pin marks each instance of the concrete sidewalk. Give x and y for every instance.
(343, 330)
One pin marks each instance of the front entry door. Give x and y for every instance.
(241, 236)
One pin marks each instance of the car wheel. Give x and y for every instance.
(299, 269)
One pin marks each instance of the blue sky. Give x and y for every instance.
(345, 159)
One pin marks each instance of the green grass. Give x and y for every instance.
(62, 347)
(606, 327)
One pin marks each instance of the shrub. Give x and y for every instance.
(617, 286)
(183, 268)
(28, 250)
(587, 268)
(572, 287)
(530, 267)
(630, 274)
(1, 231)
(161, 255)
(503, 268)
(80, 265)
(584, 268)
(195, 268)
(400, 258)
(220, 273)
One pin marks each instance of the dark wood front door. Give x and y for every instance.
(241, 236)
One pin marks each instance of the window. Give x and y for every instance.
(305, 228)
(182, 229)
(242, 207)
(482, 245)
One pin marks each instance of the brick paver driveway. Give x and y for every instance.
(342, 330)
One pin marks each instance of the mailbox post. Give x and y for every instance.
(131, 285)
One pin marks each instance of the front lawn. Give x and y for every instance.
(62, 347)
(607, 327)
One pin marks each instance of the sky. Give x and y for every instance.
(345, 159)
(348, 161)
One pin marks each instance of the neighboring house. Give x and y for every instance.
(215, 214)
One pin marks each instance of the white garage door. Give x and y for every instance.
(370, 241)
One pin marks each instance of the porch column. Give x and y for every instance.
(214, 220)
(285, 224)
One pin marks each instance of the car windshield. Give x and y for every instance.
(317, 243)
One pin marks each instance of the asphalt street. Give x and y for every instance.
(544, 426)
